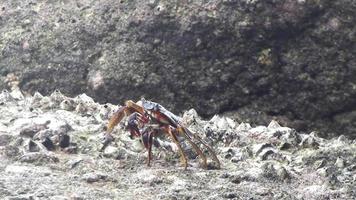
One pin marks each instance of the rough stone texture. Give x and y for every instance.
(252, 166)
(291, 59)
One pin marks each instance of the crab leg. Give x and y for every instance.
(215, 158)
(196, 148)
(129, 108)
(147, 138)
(183, 158)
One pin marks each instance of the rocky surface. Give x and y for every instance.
(288, 58)
(49, 149)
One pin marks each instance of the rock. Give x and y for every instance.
(319, 164)
(5, 139)
(5, 96)
(324, 171)
(252, 160)
(64, 140)
(33, 146)
(274, 171)
(32, 129)
(340, 163)
(122, 55)
(67, 104)
(230, 195)
(73, 163)
(113, 152)
(94, 177)
(11, 151)
(243, 127)
(38, 158)
(291, 137)
(47, 142)
(273, 125)
(309, 142)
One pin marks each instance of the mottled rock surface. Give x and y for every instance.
(254, 164)
(291, 59)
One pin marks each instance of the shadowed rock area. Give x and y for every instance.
(260, 59)
(49, 149)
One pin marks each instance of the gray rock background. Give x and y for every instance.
(289, 59)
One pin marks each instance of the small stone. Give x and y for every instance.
(274, 171)
(243, 127)
(71, 149)
(5, 96)
(17, 94)
(342, 139)
(230, 195)
(285, 146)
(257, 149)
(80, 108)
(273, 125)
(39, 158)
(190, 116)
(37, 96)
(84, 98)
(325, 171)
(5, 139)
(57, 96)
(309, 142)
(12, 151)
(319, 164)
(73, 163)
(340, 163)
(291, 137)
(113, 152)
(33, 146)
(94, 177)
(30, 131)
(67, 104)
(48, 144)
(64, 140)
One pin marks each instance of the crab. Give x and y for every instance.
(147, 119)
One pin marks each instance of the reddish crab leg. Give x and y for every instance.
(183, 158)
(196, 148)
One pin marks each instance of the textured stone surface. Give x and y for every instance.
(252, 167)
(292, 59)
